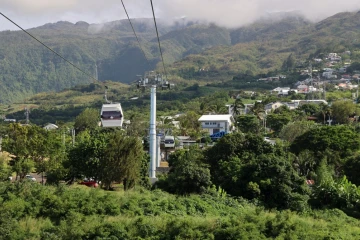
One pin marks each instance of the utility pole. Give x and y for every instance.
(96, 72)
(357, 92)
(27, 113)
(312, 81)
(73, 136)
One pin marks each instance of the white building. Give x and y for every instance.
(281, 91)
(217, 123)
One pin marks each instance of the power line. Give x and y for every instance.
(134, 31)
(53, 51)
(157, 34)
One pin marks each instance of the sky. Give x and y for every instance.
(228, 13)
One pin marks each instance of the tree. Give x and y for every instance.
(305, 164)
(309, 109)
(189, 124)
(342, 110)
(122, 161)
(277, 121)
(258, 110)
(341, 139)
(144, 180)
(237, 107)
(138, 127)
(248, 124)
(84, 159)
(32, 146)
(87, 119)
(272, 180)
(106, 156)
(352, 169)
(5, 169)
(325, 110)
(230, 153)
(188, 173)
(289, 63)
(355, 66)
(292, 130)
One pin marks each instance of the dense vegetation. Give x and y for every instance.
(242, 187)
(32, 211)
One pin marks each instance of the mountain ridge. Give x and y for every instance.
(27, 68)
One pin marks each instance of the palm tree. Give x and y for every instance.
(237, 107)
(258, 110)
(325, 110)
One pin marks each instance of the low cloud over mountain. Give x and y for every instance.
(229, 13)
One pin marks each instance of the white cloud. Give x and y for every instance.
(232, 13)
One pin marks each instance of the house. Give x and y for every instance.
(303, 89)
(217, 123)
(312, 89)
(281, 91)
(327, 74)
(316, 101)
(51, 126)
(272, 106)
(342, 70)
(292, 105)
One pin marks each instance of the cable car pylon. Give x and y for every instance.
(153, 80)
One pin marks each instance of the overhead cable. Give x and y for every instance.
(134, 31)
(53, 51)
(157, 34)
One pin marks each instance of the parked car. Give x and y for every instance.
(30, 178)
(89, 183)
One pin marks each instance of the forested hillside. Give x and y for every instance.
(26, 67)
(265, 45)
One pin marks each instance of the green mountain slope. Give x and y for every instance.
(197, 52)
(26, 67)
(265, 45)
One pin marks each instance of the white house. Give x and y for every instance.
(281, 91)
(315, 101)
(217, 123)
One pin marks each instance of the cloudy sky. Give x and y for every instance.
(230, 13)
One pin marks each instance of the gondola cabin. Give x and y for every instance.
(112, 115)
(169, 141)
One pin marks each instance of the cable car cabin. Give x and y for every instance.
(112, 115)
(169, 141)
